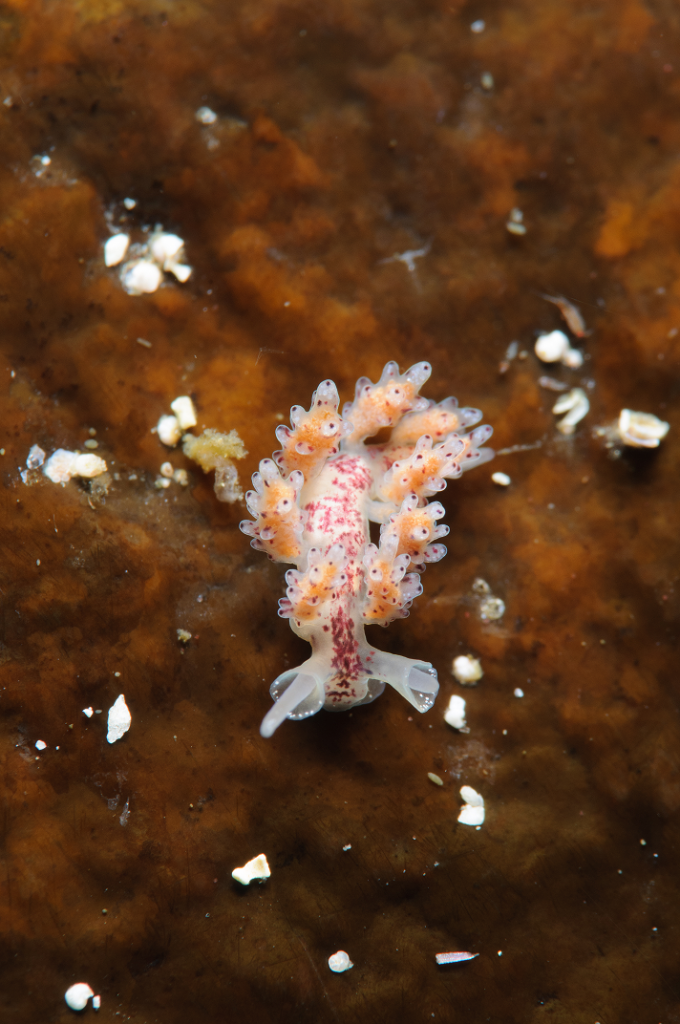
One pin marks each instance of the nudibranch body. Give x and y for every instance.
(312, 504)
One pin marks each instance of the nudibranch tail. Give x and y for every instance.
(312, 504)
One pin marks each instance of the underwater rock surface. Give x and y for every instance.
(356, 199)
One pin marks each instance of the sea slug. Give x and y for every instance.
(312, 504)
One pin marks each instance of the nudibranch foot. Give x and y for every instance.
(312, 505)
(300, 692)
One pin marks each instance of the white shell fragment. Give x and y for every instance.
(501, 479)
(454, 958)
(204, 115)
(141, 277)
(115, 249)
(486, 81)
(576, 405)
(556, 348)
(185, 411)
(514, 222)
(88, 712)
(637, 429)
(63, 465)
(472, 811)
(40, 745)
(120, 720)
(96, 1002)
(339, 962)
(437, 779)
(478, 26)
(256, 870)
(77, 995)
(467, 670)
(169, 430)
(36, 457)
(455, 712)
(491, 608)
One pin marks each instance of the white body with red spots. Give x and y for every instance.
(313, 503)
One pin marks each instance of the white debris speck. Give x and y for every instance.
(184, 636)
(467, 670)
(492, 608)
(347, 847)
(478, 26)
(115, 248)
(438, 781)
(518, 692)
(638, 429)
(551, 347)
(487, 81)
(40, 745)
(480, 586)
(88, 712)
(96, 1002)
(167, 470)
(36, 457)
(555, 348)
(164, 248)
(185, 411)
(256, 870)
(454, 958)
(472, 811)
(182, 271)
(120, 720)
(161, 483)
(552, 385)
(77, 995)
(502, 479)
(169, 430)
(339, 962)
(129, 204)
(125, 813)
(455, 712)
(514, 222)
(204, 115)
(63, 465)
(141, 277)
(573, 358)
(181, 477)
(576, 405)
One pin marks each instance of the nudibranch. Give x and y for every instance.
(312, 503)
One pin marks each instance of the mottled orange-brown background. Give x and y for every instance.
(347, 132)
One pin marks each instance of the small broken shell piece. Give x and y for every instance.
(514, 222)
(88, 712)
(119, 721)
(454, 958)
(339, 962)
(168, 252)
(169, 431)
(501, 479)
(555, 348)
(576, 405)
(115, 249)
(77, 995)
(185, 411)
(63, 465)
(204, 115)
(437, 779)
(455, 713)
(141, 277)
(467, 670)
(36, 457)
(638, 429)
(472, 811)
(256, 870)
